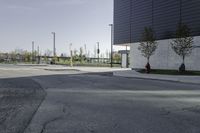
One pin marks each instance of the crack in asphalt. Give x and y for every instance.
(165, 111)
(185, 121)
(194, 109)
(42, 100)
(90, 130)
(48, 122)
(5, 112)
(64, 110)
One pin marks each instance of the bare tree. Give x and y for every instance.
(183, 44)
(107, 53)
(75, 51)
(95, 51)
(148, 45)
(27, 56)
(86, 53)
(81, 51)
(81, 56)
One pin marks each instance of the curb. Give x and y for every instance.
(158, 79)
(49, 69)
(32, 65)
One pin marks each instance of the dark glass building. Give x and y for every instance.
(131, 16)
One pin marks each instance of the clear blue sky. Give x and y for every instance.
(74, 21)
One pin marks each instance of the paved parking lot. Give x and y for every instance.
(83, 102)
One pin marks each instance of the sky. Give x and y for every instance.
(75, 21)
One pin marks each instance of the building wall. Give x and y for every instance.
(166, 16)
(141, 16)
(124, 61)
(131, 16)
(122, 21)
(165, 57)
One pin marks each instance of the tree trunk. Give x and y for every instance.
(148, 66)
(148, 60)
(182, 67)
(183, 59)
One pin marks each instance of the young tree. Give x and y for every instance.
(117, 57)
(27, 56)
(148, 46)
(183, 44)
(75, 55)
(107, 53)
(81, 55)
(47, 54)
(95, 51)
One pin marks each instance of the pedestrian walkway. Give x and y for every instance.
(134, 74)
(83, 69)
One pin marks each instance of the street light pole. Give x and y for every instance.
(38, 50)
(38, 54)
(111, 53)
(71, 58)
(54, 44)
(98, 50)
(127, 57)
(33, 43)
(85, 50)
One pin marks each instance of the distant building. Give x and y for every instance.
(131, 16)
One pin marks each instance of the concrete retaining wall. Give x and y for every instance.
(165, 57)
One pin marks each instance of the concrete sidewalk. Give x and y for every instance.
(81, 68)
(134, 74)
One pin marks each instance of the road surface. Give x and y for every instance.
(76, 102)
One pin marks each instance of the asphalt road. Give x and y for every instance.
(88, 103)
(19, 101)
(101, 103)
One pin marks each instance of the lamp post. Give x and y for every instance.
(111, 53)
(71, 56)
(38, 54)
(98, 50)
(127, 57)
(54, 43)
(33, 43)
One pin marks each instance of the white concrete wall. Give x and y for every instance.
(124, 60)
(165, 57)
